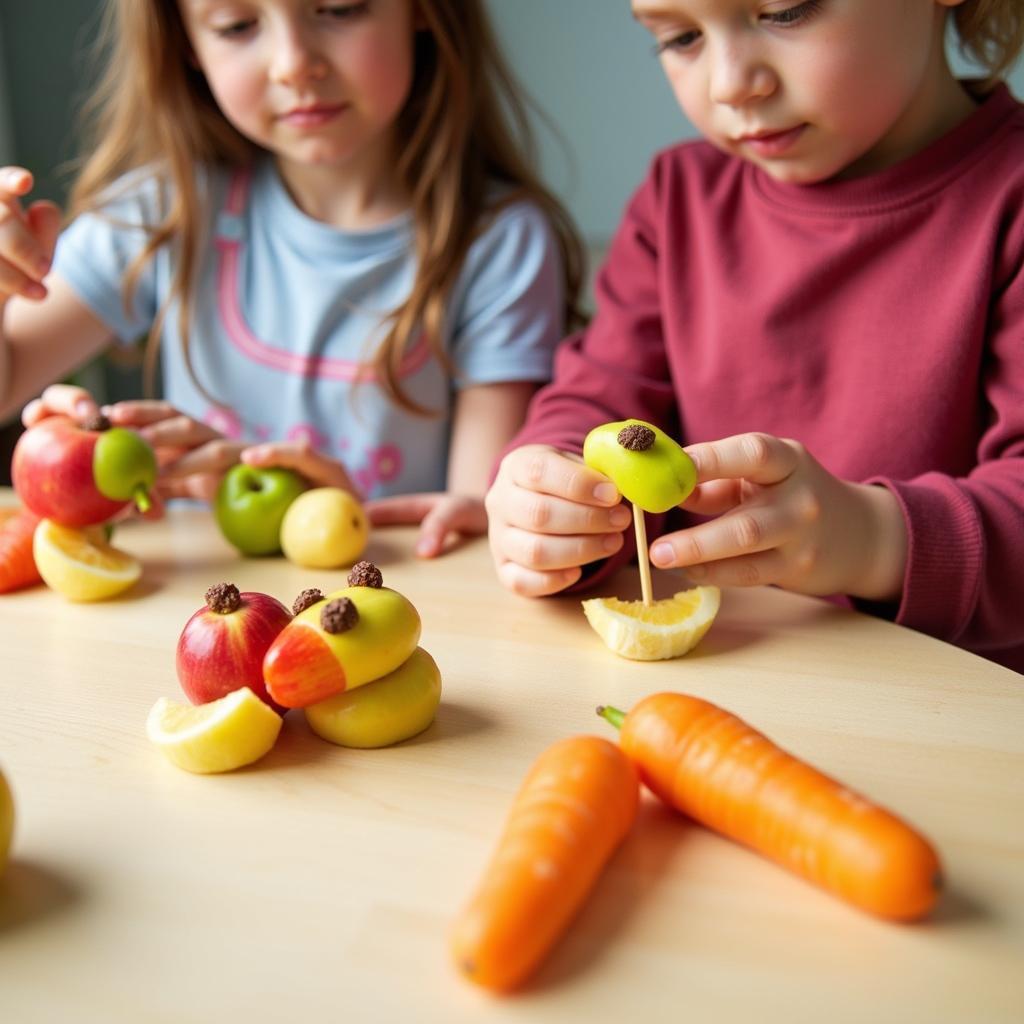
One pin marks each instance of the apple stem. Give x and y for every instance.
(141, 497)
(641, 554)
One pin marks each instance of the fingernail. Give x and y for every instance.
(619, 516)
(612, 542)
(43, 265)
(606, 493)
(35, 291)
(662, 555)
(83, 407)
(426, 548)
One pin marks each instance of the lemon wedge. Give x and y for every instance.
(217, 737)
(80, 564)
(662, 629)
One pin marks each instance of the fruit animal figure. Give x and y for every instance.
(222, 646)
(324, 528)
(388, 710)
(63, 472)
(251, 503)
(341, 641)
(643, 462)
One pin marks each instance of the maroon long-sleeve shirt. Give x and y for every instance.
(880, 321)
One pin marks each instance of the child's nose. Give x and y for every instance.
(739, 74)
(296, 59)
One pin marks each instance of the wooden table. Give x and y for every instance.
(318, 884)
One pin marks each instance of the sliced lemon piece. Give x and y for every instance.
(80, 564)
(216, 737)
(663, 629)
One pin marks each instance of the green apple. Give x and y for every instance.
(6, 821)
(649, 468)
(250, 505)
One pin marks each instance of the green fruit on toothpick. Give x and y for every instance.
(324, 528)
(645, 464)
(124, 467)
(251, 503)
(6, 821)
(390, 709)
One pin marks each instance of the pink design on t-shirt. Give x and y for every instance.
(308, 433)
(242, 337)
(224, 421)
(386, 462)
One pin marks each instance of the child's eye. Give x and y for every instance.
(235, 28)
(343, 11)
(794, 15)
(678, 44)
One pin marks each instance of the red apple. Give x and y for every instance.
(222, 646)
(52, 471)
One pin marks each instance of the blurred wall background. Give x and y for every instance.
(587, 65)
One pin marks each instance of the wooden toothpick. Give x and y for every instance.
(641, 554)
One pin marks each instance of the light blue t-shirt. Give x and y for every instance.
(287, 308)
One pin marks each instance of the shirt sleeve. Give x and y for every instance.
(964, 580)
(96, 250)
(509, 307)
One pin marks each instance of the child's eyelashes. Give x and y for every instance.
(331, 12)
(786, 17)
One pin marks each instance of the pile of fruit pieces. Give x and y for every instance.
(350, 659)
(75, 480)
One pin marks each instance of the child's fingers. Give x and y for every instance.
(303, 458)
(538, 468)
(60, 400)
(762, 568)
(761, 458)
(452, 514)
(213, 458)
(742, 532)
(184, 432)
(17, 181)
(530, 583)
(44, 220)
(715, 497)
(23, 253)
(545, 552)
(139, 412)
(544, 513)
(402, 509)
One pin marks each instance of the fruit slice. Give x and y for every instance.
(663, 629)
(217, 737)
(80, 564)
(307, 663)
(17, 566)
(388, 710)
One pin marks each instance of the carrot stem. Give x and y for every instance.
(641, 554)
(612, 715)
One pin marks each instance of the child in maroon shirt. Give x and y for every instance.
(825, 301)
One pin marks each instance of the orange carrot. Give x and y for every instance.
(712, 766)
(573, 810)
(17, 565)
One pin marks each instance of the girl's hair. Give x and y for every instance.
(991, 33)
(463, 131)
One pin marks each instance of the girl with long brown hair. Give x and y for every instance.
(324, 217)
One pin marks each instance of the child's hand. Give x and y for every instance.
(439, 514)
(27, 237)
(549, 515)
(301, 456)
(61, 400)
(782, 518)
(192, 456)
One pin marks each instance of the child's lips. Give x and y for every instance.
(313, 115)
(772, 143)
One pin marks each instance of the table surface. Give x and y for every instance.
(320, 882)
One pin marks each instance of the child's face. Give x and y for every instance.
(312, 82)
(807, 90)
